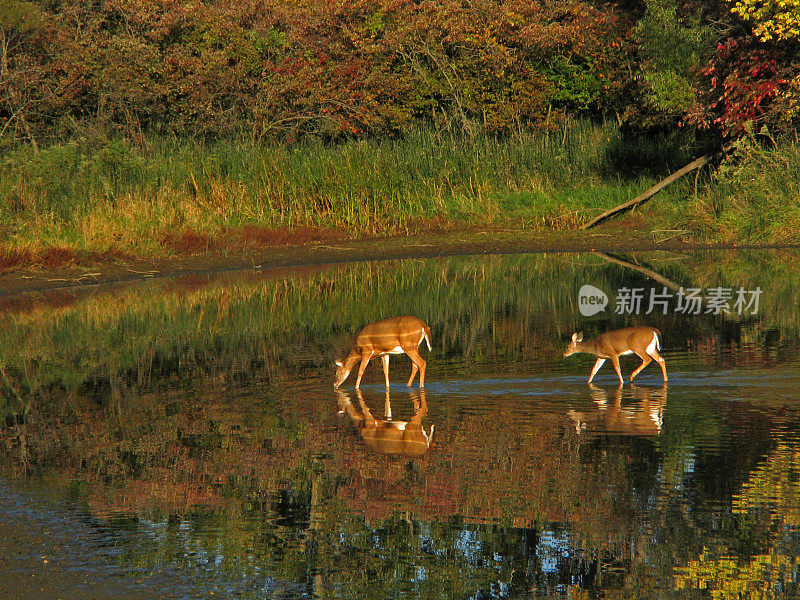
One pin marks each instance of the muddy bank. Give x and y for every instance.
(621, 236)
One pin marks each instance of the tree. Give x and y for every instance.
(772, 19)
(18, 21)
(751, 80)
(673, 42)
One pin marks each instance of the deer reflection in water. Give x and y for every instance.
(643, 418)
(397, 438)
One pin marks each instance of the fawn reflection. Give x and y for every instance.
(397, 438)
(644, 417)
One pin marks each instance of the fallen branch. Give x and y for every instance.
(695, 164)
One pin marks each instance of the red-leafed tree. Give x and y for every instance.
(752, 78)
(747, 88)
(280, 68)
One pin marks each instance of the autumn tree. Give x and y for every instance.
(271, 68)
(19, 22)
(751, 81)
(771, 19)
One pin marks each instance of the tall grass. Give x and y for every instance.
(754, 196)
(105, 195)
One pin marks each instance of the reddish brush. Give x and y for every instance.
(187, 242)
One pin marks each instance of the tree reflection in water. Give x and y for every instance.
(197, 424)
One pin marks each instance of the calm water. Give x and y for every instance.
(182, 439)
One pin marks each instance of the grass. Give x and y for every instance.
(100, 196)
(754, 196)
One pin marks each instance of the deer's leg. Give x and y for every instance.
(387, 406)
(646, 360)
(414, 369)
(661, 363)
(362, 367)
(367, 417)
(419, 363)
(598, 363)
(615, 362)
(385, 359)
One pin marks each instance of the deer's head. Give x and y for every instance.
(572, 347)
(342, 371)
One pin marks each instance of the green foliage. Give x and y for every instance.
(754, 195)
(670, 92)
(60, 179)
(672, 47)
(576, 84)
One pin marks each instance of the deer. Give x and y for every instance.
(396, 335)
(642, 341)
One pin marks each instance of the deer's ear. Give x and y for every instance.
(338, 363)
(578, 337)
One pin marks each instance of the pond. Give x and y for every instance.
(182, 438)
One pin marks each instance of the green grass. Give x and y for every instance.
(753, 197)
(107, 195)
(100, 195)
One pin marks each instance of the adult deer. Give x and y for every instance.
(641, 341)
(398, 335)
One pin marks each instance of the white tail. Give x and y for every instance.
(398, 335)
(642, 341)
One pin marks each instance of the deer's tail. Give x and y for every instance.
(426, 333)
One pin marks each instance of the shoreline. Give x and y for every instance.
(615, 237)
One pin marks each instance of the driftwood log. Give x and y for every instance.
(695, 164)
